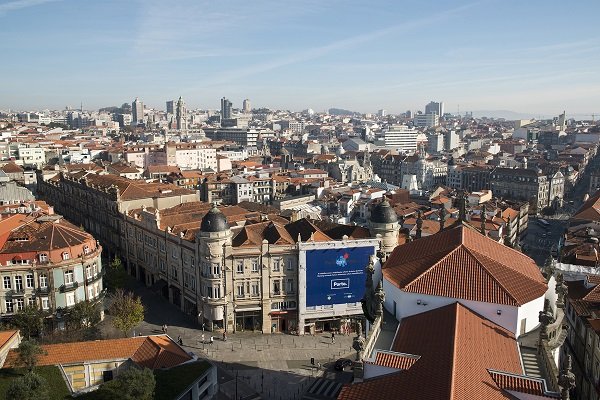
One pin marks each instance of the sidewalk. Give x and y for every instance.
(277, 365)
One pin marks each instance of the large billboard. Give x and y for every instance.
(336, 276)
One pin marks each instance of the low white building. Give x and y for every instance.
(461, 265)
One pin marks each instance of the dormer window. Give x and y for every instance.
(43, 257)
(66, 256)
(86, 249)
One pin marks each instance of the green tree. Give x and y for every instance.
(132, 384)
(30, 386)
(116, 275)
(127, 310)
(30, 320)
(29, 353)
(84, 314)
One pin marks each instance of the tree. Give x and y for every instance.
(30, 386)
(84, 314)
(116, 275)
(131, 384)
(29, 353)
(30, 320)
(127, 311)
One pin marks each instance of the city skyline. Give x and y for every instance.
(487, 55)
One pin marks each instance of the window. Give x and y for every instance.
(276, 287)
(45, 303)
(43, 281)
(7, 284)
(31, 301)
(43, 258)
(20, 304)
(174, 273)
(240, 267)
(29, 281)
(69, 277)
(88, 272)
(240, 290)
(290, 286)
(216, 269)
(290, 264)
(66, 256)
(276, 264)
(162, 265)
(255, 289)
(217, 292)
(9, 306)
(19, 283)
(90, 292)
(255, 266)
(70, 299)
(174, 253)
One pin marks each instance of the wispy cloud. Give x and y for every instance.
(347, 43)
(19, 4)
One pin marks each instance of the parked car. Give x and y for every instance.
(342, 363)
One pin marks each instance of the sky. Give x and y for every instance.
(539, 56)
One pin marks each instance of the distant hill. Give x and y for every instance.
(341, 111)
(509, 115)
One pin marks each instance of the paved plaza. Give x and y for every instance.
(253, 365)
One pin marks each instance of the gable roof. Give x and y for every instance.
(590, 210)
(463, 264)
(457, 347)
(157, 351)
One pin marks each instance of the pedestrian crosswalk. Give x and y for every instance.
(323, 389)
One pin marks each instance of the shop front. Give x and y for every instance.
(284, 321)
(248, 319)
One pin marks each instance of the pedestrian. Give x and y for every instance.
(224, 336)
(164, 330)
(203, 338)
(212, 339)
(179, 340)
(332, 337)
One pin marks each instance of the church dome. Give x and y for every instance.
(214, 221)
(383, 213)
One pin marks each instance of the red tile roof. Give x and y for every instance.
(590, 210)
(394, 360)
(157, 351)
(522, 384)
(463, 264)
(457, 348)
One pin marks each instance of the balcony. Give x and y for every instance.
(94, 278)
(15, 292)
(43, 290)
(68, 287)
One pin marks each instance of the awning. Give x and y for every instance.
(241, 309)
(278, 312)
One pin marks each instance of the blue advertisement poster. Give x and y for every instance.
(336, 276)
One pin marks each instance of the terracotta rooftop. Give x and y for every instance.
(154, 352)
(590, 210)
(457, 347)
(392, 359)
(463, 264)
(522, 384)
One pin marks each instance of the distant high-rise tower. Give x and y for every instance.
(381, 113)
(247, 107)
(225, 108)
(171, 107)
(435, 108)
(137, 111)
(181, 115)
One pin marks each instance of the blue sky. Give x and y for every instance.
(537, 57)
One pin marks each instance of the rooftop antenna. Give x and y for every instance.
(81, 107)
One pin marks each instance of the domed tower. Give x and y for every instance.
(384, 222)
(214, 245)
